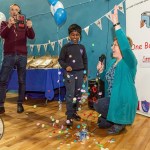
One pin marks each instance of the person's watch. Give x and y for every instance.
(116, 24)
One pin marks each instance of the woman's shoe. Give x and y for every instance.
(116, 129)
(103, 123)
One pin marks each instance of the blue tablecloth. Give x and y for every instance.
(39, 80)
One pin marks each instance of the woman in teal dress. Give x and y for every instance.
(119, 108)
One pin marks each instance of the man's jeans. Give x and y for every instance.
(73, 84)
(8, 64)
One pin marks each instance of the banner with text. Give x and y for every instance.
(138, 28)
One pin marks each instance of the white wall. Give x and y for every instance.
(141, 48)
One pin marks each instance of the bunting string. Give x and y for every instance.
(98, 22)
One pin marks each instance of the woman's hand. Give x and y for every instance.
(100, 67)
(114, 15)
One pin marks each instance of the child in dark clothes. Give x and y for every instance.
(73, 59)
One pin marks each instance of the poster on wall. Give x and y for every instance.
(138, 28)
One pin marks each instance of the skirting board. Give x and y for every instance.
(142, 113)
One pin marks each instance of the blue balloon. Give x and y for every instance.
(53, 2)
(60, 16)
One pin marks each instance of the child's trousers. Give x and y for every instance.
(73, 84)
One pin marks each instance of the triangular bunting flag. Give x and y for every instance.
(45, 47)
(53, 45)
(98, 23)
(87, 30)
(31, 47)
(108, 15)
(38, 47)
(121, 7)
(60, 42)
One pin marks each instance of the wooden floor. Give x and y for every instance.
(34, 129)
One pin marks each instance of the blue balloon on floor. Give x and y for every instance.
(53, 2)
(60, 16)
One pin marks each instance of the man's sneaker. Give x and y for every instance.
(76, 117)
(20, 108)
(2, 109)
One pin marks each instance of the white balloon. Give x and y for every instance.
(56, 6)
(2, 17)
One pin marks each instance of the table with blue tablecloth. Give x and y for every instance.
(39, 80)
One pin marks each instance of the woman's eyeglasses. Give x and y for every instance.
(114, 45)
